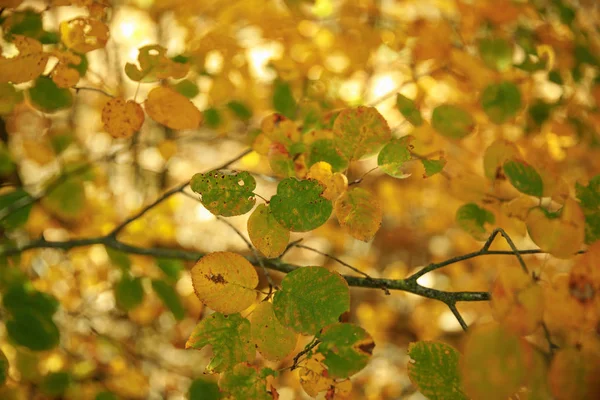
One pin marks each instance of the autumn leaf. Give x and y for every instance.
(360, 132)
(266, 234)
(359, 213)
(169, 108)
(27, 65)
(83, 35)
(225, 194)
(273, 340)
(122, 118)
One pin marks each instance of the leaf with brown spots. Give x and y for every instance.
(225, 282)
(347, 349)
(83, 35)
(226, 194)
(122, 118)
(27, 65)
(359, 213)
(273, 340)
(360, 132)
(266, 234)
(314, 378)
(174, 110)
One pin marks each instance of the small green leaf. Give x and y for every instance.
(119, 258)
(452, 121)
(393, 157)
(170, 298)
(347, 349)
(187, 88)
(432, 166)
(15, 201)
(283, 99)
(311, 298)
(471, 218)
(496, 53)
(434, 370)
(171, 268)
(225, 194)
(56, 383)
(589, 196)
(524, 177)
(212, 118)
(298, 205)
(409, 110)
(47, 97)
(26, 22)
(540, 112)
(3, 368)
(83, 65)
(273, 340)
(501, 101)
(592, 227)
(67, 200)
(230, 338)
(19, 296)
(202, 389)
(244, 382)
(240, 110)
(31, 329)
(325, 150)
(360, 132)
(129, 292)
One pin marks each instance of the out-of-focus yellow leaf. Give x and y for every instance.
(167, 148)
(83, 35)
(154, 66)
(39, 151)
(130, 384)
(122, 118)
(359, 213)
(315, 379)
(335, 183)
(63, 74)
(28, 65)
(167, 107)
(574, 374)
(495, 156)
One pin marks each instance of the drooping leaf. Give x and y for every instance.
(360, 132)
(240, 110)
(314, 378)
(230, 338)
(225, 282)
(310, 299)
(524, 177)
(273, 340)
(347, 349)
(266, 234)
(452, 121)
(472, 218)
(496, 53)
(434, 370)
(56, 383)
(283, 99)
(299, 205)
(31, 329)
(225, 194)
(169, 297)
(122, 118)
(244, 382)
(169, 108)
(326, 150)
(21, 296)
(501, 101)
(48, 97)
(129, 292)
(28, 65)
(359, 213)
(19, 201)
(409, 110)
(83, 35)
(154, 66)
(202, 389)
(392, 159)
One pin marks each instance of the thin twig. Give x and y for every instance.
(459, 317)
(91, 89)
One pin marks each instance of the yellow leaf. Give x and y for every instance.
(266, 234)
(495, 156)
(83, 35)
(39, 151)
(574, 374)
(122, 118)
(28, 65)
(167, 148)
(225, 282)
(174, 110)
(359, 213)
(335, 183)
(273, 340)
(63, 74)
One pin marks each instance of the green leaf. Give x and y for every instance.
(18, 296)
(56, 383)
(496, 53)
(540, 112)
(129, 292)
(501, 101)
(434, 370)
(47, 97)
(266, 234)
(3, 368)
(592, 227)
(212, 118)
(360, 132)
(119, 258)
(225, 194)
(311, 298)
(61, 142)
(283, 99)
(83, 65)
(107, 396)
(524, 177)
(170, 298)
(298, 205)
(67, 200)
(202, 389)
(31, 329)
(471, 218)
(19, 216)
(347, 349)
(359, 212)
(409, 110)
(325, 150)
(452, 121)
(241, 110)
(432, 166)
(393, 157)
(171, 268)
(273, 340)
(187, 88)
(589, 196)
(26, 22)
(244, 382)
(230, 338)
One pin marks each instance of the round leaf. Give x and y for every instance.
(524, 177)
(409, 110)
(360, 132)
(202, 389)
(311, 298)
(501, 101)
(48, 97)
(169, 108)
(83, 35)
(31, 329)
(496, 53)
(225, 194)
(19, 217)
(266, 234)
(574, 375)
(170, 298)
(225, 282)
(229, 336)
(28, 65)
(347, 349)
(273, 340)
(326, 150)
(452, 121)
(471, 218)
(244, 382)
(433, 369)
(56, 383)
(359, 213)
(129, 292)
(122, 119)
(393, 157)
(299, 205)
(496, 155)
